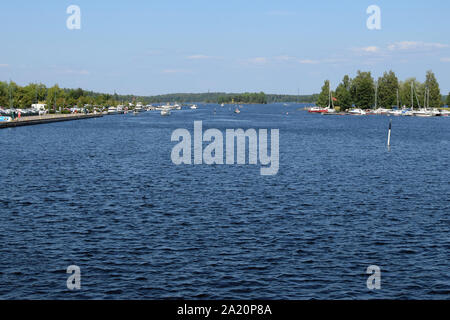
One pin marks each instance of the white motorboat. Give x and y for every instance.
(381, 111)
(423, 113)
(435, 112)
(408, 113)
(357, 112)
(194, 107)
(445, 113)
(112, 110)
(396, 112)
(317, 110)
(165, 107)
(165, 112)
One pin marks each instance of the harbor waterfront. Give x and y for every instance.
(43, 119)
(103, 194)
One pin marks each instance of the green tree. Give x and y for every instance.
(433, 88)
(387, 90)
(53, 94)
(4, 94)
(343, 96)
(448, 100)
(14, 95)
(28, 95)
(324, 97)
(363, 90)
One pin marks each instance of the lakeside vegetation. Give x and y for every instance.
(360, 92)
(22, 97)
(249, 98)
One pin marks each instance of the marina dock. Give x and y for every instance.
(34, 120)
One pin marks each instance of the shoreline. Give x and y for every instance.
(35, 120)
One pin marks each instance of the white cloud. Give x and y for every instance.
(4, 65)
(285, 58)
(371, 49)
(416, 45)
(445, 59)
(307, 61)
(199, 57)
(258, 60)
(367, 50)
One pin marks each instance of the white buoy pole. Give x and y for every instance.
(389, 134)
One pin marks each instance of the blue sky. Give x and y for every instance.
(153, 47)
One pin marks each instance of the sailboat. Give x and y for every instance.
(422, 112)
(328, 109)
(397, 112)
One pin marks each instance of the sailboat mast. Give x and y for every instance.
(398, 102)
(425, 98)
(412, 95)
(10, 95)
(329, 94)
(376, 94)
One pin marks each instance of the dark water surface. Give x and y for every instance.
(103, 194)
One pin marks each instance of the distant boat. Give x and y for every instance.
(445, 113)
(237, 111)
(357, 112)
(165, 112)
(317, 110)
(423, 113)
(381, 111)
(112, 110)
(194, 107)
(5, 119)
(397, 112)
(329, 109)
(222, 105)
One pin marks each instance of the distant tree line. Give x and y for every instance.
(257, 98)
(277, 98)
(222, 97)
(15, 96)
(22, 97)
(360, 92)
